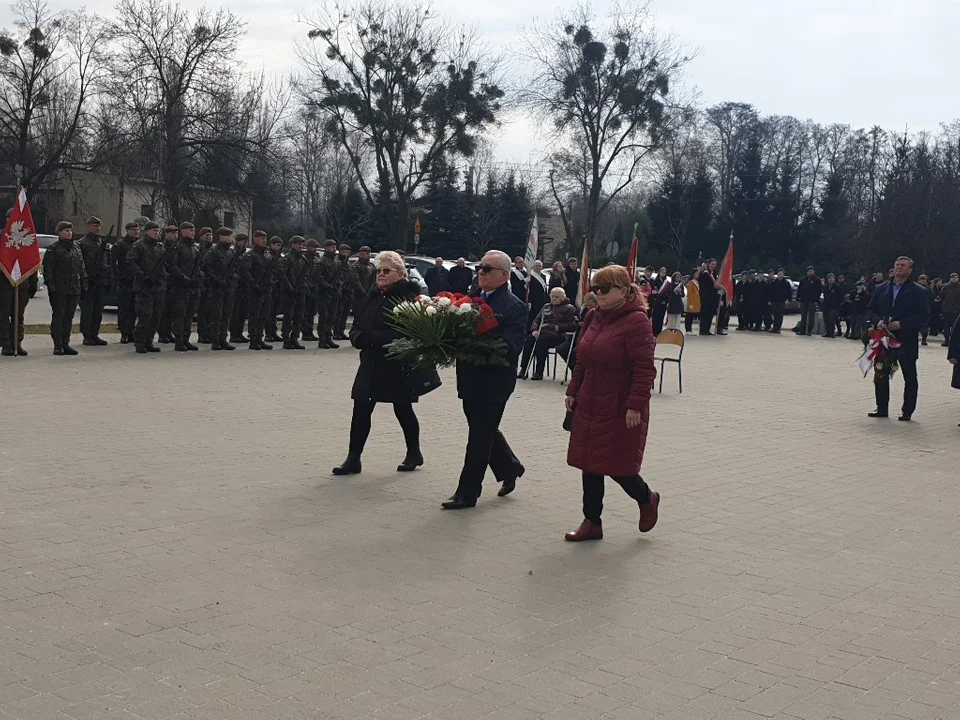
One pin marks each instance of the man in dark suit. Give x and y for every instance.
(485, 389)
(901, 306)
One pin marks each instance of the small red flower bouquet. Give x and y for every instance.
(443, 330)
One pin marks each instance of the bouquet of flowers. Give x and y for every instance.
(880, 354)
(443, 330)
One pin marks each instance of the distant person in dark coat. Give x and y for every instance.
(380, 379)
(460, 277)
(537, 292)
(485, 389)
(572, 279)
(809, 290)
(901, 306)
(437, 278)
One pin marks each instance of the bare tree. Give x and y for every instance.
(607, 86)
(49, 75)
(411, 88)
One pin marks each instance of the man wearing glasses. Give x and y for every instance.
(485, 389)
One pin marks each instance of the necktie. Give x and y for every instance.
(483, 295)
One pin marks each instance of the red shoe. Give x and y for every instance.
(586, 531)
(649, 512)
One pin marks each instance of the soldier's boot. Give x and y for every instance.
(89, 341)
(191, 346)
(142, 349)
(239, 339)
(254, 345)
(181, 346)
(264, 346)
(152, 348)
(330, 343)
(7, 351)
(215, 347)
(21, 352)
(224, 345)
(67, 350)
(97, 340)
(164, 339)
(350, 466)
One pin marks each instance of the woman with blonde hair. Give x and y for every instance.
(558, 276)
(609, 398)
(380, 379)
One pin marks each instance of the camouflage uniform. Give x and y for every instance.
(218, 270)
(96, 254)
(146, 266)
(165, 324)
(295, 271)
(329, 282)
(258, 270)
(241, 279)
(66, 280)
(126, 315)
(311, 293)
(184, 293)
(274, 304)
(349, 290)
(27, 289)
(203, 309)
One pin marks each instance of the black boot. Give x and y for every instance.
(254, 345)
(331, 344)
(350, 466)
(411, 462)
(264, 346)
(181, 347)
(67, 350)
(8, 352)
(97, 340)
(191, 346)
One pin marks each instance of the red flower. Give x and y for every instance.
(488, 319)
(444, 294)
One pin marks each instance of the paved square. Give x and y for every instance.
(172, 545)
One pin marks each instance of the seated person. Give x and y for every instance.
(556, 319)
(568, 348)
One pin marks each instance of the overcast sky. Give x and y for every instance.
(862, 62)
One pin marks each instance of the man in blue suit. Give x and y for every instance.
(485, 389)
(901, 306)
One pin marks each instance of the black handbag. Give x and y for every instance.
(568, 421)
(421, 382)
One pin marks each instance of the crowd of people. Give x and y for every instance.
(219, 277)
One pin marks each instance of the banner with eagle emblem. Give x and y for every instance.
(19, 249)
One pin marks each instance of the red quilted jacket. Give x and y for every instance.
(614, 372)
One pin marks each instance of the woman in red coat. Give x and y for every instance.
(610, 399)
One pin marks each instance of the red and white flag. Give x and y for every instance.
(725, 277)
(533, 244)
(19, 249)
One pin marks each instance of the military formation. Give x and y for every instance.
(161, 284)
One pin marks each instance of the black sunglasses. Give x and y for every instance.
(488, 269)
(602, 289)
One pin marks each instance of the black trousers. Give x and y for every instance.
(486, 446)
(220, 308)
(327, 315)
(768, 315)
(911, 387)
(658, 310)
(776, 310)
(344, 305)
(6, 313)
(149, 305)
(184, 307)
(91, 311)
(292, 316)
(126, 311)
(240, 313)
(688, 321)
(64, 307)
(706, 319)
(271, 308)
(808, 315)
(634, 486)
(540, 349)
(361, 421)
(309, 323)
(856, 325)
(830, 323)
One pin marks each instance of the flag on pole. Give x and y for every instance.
(19, 249)
(533, 243)
(584, 275)
(632, 261)
(725, 277)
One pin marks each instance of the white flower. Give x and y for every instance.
(444, 302)
(426, 300)
(466, 309)
(430, 310)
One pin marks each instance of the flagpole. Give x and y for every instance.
(16, 320)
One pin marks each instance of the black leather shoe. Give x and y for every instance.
(537, 376)
(411, 462)
(67, 350)
(180, 347)
(191, 346)
(142, 349)
(264, 346)
(89, 342)
(458, 502)
(99, 341)
(254, 346)
(124, 340)
(274, 338)
(905, 418)
(21, 352)
(7, 352)
(878, 414)
(215, 347)
(507, 488)
(227, 346)
(58, 351)
(238, 339)
(331, 344)
(152, 348)
(350, 466)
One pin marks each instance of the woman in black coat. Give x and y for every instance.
(380, 379)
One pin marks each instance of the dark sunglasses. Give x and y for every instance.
(602, 289)
(489, 269)
(385, 271)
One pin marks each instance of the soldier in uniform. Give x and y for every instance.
(66, 281)
(329, 283)
(27, 289)
(184, 287)
(259, 276)
(272, 305)
(146, 265)
(218, 268)
(96, 261)
(295, 271)
(240, 313)
(126, 315)
(203, 309)
(349, 289)
(311, 290)
(165, 324)
(365, 271)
